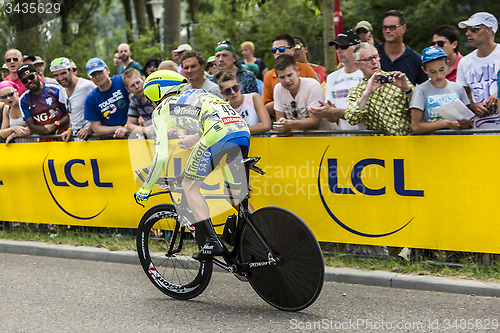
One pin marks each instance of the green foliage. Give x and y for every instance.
(248, 22)
(422, 17)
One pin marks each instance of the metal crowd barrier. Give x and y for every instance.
(322, 133)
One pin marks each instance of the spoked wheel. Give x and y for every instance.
(296, 281)
(172, 270)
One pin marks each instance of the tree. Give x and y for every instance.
(259, 22)
(171, 23)
(140, 16)
(128, 19)
(329, 34)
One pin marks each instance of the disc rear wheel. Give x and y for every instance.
(296, 281)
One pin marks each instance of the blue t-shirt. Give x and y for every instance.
(109, 107)
(46, 107)
(410, 63)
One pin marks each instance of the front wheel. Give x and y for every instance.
(296, 281)
(165, 251)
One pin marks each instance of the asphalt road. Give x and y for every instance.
(43, 294)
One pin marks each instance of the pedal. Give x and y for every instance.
(229, 233)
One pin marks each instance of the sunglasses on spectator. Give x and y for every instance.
(30, 77)
(152, 65)
(12, 59)
(370, 59)
(298, 46)
(361, 31)
(390, 27)
(439, 43)
(74, 69)
(342, 47)
(7, 95)
(212, 64)
(294, 106)
(281, 49)
(474, 29)
(234, 88)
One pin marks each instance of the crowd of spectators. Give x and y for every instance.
(379, 85)
(384, 86)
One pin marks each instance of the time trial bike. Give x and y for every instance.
(272, 249)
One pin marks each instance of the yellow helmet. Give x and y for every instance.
(163, 82)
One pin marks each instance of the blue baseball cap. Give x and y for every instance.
(431, 53)
(95, 65)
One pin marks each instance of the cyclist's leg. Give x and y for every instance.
(199, 165)
(235, 175)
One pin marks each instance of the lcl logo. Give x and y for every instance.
(71, 179)
(357, 182)
(359, 186)
(67, 179)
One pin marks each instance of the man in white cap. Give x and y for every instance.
(179, 51)
(77, 90)
(40, 69)
(477, 70)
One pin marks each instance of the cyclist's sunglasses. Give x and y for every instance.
(12, 59)
(234, 88)
(281, 49)
(7, 95)
(439, 43)
(30, 77)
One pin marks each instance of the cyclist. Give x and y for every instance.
(220, 132)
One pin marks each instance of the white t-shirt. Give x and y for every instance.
(338, 85)
(310, 92)
(247, 110)
(76, 104)
(480, 75)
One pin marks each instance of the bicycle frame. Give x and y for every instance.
(169, 185)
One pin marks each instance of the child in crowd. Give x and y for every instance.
(435, 92)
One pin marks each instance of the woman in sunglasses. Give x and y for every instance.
(13, 124)
(249, 106)
(447, 38)
(301, 55)
(151, 66)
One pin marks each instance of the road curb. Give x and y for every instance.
(342, 275)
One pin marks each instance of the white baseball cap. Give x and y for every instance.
(485, 18)
(183, 47)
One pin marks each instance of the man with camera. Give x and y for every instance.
(381, 100)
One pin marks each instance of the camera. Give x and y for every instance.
(388, 78)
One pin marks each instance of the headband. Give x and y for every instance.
(5, 84)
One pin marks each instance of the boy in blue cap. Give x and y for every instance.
(435, 92)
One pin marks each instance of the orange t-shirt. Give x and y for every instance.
(270, 80)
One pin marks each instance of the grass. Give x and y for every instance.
(469, 267)
(466, 270)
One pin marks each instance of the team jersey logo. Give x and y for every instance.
(49, 101)
(184, 110)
